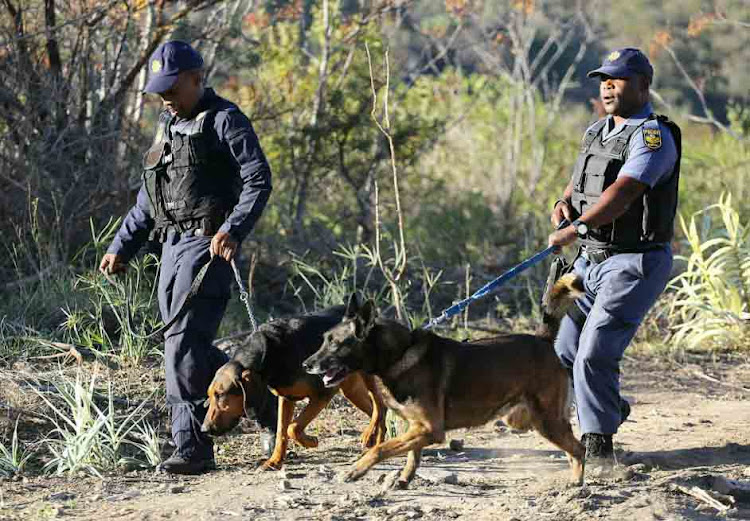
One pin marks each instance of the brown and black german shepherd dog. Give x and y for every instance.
(438, 384)
(273, 357)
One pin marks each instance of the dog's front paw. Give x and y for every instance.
(271, 464)
(351, 475)
(308, 442)
(401, 484)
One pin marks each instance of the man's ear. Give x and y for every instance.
(247, 375)
(352, 305)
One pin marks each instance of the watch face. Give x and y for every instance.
(582, 229)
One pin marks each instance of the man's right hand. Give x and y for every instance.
(112, 263)
(560, 212)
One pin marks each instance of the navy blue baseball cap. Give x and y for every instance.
(167, 61)
(624, 63)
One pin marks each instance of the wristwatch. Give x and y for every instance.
(582, 229)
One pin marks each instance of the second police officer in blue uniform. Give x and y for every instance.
(206, 182)
(622, 201)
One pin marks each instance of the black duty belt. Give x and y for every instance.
(598, 255)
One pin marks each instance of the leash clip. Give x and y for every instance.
(244, 296)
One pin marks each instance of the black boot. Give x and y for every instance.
(180, 464)
(624, 410)
(195, 451)
(599, 450)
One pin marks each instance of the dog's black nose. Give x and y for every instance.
(305, 365)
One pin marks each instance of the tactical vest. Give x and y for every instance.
(191, 183)
(649, 220)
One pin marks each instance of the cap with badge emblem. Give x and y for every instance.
(624, 63)
(169, 60)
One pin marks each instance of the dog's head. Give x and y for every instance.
(563, 294)
(346, 347)
(226, 398)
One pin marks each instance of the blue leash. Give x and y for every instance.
(456, 308)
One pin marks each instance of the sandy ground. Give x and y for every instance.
(686, 431)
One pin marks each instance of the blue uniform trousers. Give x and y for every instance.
(191, 360)
(619, 292)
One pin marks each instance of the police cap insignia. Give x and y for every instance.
(652, 138)
(613, 56)
(155, 66)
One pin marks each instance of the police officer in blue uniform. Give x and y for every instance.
(622, 201)
(206, 182)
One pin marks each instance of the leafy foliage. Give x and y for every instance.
(710, 306)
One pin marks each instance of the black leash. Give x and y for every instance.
(194, 287)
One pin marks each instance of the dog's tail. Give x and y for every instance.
(559, 299)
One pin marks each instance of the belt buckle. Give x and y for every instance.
(596, 256)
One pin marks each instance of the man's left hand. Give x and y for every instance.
(563, 237)
(224, 246)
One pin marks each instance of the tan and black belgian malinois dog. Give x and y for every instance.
(438, 384)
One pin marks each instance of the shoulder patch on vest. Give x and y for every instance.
(652, 137)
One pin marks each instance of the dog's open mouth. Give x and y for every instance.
(334, 375)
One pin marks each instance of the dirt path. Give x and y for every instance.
(685, 431)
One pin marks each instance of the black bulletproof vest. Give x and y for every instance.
(650, 219)
(190, 181)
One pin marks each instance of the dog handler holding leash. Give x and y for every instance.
(206, 182)
(622, 201)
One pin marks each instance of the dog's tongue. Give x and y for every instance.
(331, 375)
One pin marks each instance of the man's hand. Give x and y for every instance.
(561, 212)
(224, 246)
(563, 237)
(112, 263)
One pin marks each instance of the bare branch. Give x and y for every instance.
(709, 117)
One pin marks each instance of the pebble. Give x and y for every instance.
(457, 445)
(61, 496)
(177, 489)
(439, 476)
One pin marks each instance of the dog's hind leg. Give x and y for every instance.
(552, 423)
(296, 429)
(407, 473)
(286, 410)
(360, 389)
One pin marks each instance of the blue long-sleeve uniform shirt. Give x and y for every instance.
(234, 136)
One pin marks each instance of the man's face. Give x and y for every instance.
(623, 96)
(181, 98)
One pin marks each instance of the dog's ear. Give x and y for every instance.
(352, 305)
(254, 351)
(366, 317)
